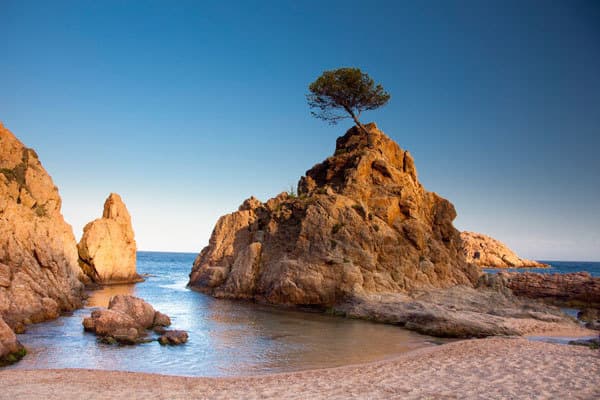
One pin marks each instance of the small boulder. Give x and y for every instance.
(114, 324)
(174, 337)
(126, 321)
(161, 319)
(589, 314)
(142, 312)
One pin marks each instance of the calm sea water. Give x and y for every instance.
(560, 267)
(226, 338)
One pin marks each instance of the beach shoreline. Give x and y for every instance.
(479, 368)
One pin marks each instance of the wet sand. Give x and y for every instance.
(494, 368)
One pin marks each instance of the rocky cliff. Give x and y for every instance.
(361, 223)
(107, 249)
(488, 252)
(38, 254)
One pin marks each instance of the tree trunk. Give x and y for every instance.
(356, 121)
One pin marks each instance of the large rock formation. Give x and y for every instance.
(107, 249)
(488, 252)
(360, 224)
(38, 254)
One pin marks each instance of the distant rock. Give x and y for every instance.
(360, 224)
(39, 273)
(574, 289)
(107, 249)
(488, 252)
(126, 320)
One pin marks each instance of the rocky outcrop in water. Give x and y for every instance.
(575, 289)
(107, 249)
(173, 338)
(360, 224)
(38, 253)
(488, 252)
(126, 320)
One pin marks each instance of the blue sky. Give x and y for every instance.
(188, 108)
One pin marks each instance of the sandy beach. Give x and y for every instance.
(494, 368)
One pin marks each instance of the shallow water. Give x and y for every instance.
(226, 338)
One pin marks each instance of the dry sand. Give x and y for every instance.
(495, 368)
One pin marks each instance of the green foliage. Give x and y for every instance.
(292, 192)
(13, 357)
(344, 93)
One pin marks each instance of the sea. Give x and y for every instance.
(226, 337)
(558, 267)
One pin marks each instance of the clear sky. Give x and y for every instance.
(188, 108)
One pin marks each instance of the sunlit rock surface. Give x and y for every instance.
(107, 249)
(488, 252)
(39, 273)
(361, 223)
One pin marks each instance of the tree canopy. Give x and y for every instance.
(344, 93)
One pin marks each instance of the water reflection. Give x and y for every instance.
(100, 298)
(226, 338)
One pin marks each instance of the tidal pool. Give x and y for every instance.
(226, 338)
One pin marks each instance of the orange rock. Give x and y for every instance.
(361, 223)
(107, 249)
(38, 254)
(488, 252)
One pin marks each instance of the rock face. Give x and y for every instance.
(361, 224)
(38, 253)
(10, 348)
(107, 250)
(488, 252)
(126, 320)
(578, 288)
